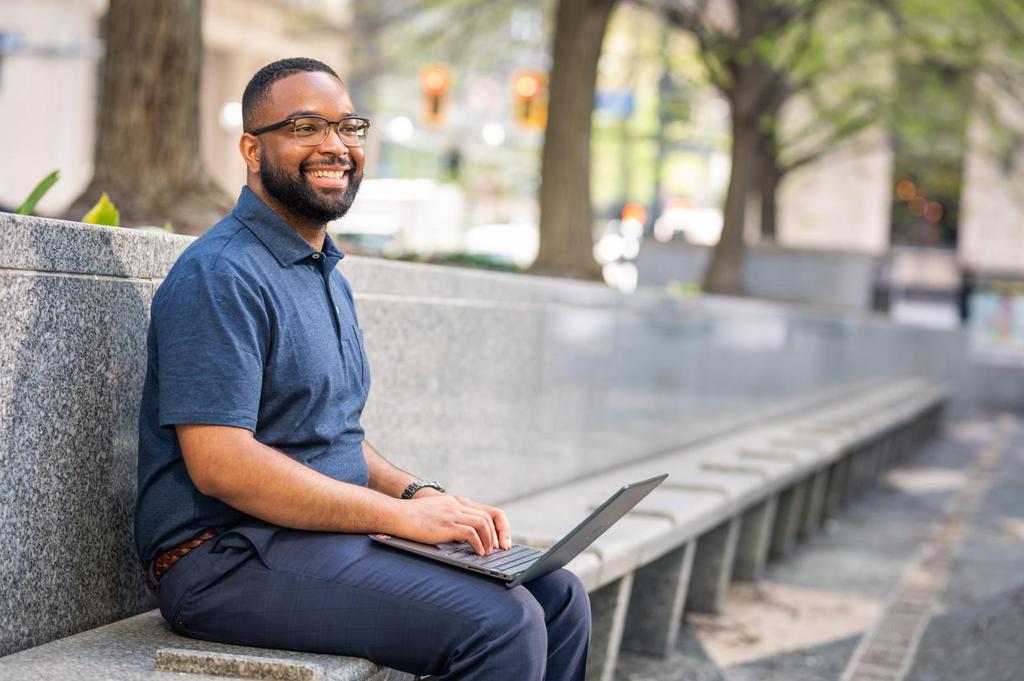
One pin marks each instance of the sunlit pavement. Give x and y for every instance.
(950, 519)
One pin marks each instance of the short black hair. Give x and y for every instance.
(257, 92)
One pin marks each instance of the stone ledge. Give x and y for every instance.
(128, 651)
(46, 245)
(187, 661)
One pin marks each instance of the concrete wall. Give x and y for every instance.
(795, 274)
(495, 384)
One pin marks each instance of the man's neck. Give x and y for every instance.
(311, 231)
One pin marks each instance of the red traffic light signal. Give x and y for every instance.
(435, 81)
(531, 105)
(528, 85)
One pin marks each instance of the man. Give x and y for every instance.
(256, 486)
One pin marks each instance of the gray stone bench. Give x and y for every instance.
(542, 396)
(727, 505)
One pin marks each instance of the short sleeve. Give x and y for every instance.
(212, 334)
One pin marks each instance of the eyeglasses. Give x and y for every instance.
(311, 131)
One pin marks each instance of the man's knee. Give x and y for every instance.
(577, 601)
(509, 640)
(561, 591)
(516, 614)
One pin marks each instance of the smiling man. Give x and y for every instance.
(256, 485)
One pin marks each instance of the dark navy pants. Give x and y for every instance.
(262, 585)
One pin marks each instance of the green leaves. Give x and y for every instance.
(37, 193)
(103, 213)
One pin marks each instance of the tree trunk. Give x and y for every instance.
(566, 238)
(771, 177)
(725, 271)
(147, 154)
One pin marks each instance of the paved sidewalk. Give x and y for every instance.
(952, 515)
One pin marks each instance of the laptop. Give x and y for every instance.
(519, 564)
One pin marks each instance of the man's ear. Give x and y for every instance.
(249, 146)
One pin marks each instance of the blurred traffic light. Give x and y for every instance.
(634, 211)
(434, 80)
(531, 100)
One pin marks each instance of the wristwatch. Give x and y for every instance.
(417, 485)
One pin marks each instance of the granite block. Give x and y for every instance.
(873, 462)
(814, 503)
(755, 539)
(713, 566)
(128, 651)
(608, 607)
(58, 246)
(656, 605)
(885, 452)
(858, 472)
(858, 479)
(73, 358)
(185, 661)
(787, 521)
(835, 496)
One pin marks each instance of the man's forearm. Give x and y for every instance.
(230, 464)
(269, 485)
(387, 478)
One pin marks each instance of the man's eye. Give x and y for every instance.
(350, 129)
(305, 129)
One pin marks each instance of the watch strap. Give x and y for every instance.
(417, 485)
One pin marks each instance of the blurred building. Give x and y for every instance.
(50, 52)
(992, 227)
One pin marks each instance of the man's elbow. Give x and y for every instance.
(203, 474)
(207, 483)
(202, 449)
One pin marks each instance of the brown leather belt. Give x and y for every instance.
(163, 562)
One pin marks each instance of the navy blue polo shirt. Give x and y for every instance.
(251, 328)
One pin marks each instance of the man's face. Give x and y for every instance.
(316, 183)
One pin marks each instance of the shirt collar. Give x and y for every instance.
(283, 242)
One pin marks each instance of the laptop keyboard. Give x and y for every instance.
(515, 558)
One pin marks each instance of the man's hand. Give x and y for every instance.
(438, 518)
(502, 530)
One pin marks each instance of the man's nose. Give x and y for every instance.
(333, 142)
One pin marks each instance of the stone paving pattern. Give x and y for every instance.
(804, 621)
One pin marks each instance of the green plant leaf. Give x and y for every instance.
(37, 193)
(103, 213)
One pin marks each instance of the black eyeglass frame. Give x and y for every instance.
(335, 124)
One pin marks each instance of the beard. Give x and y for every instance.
(296, 194)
